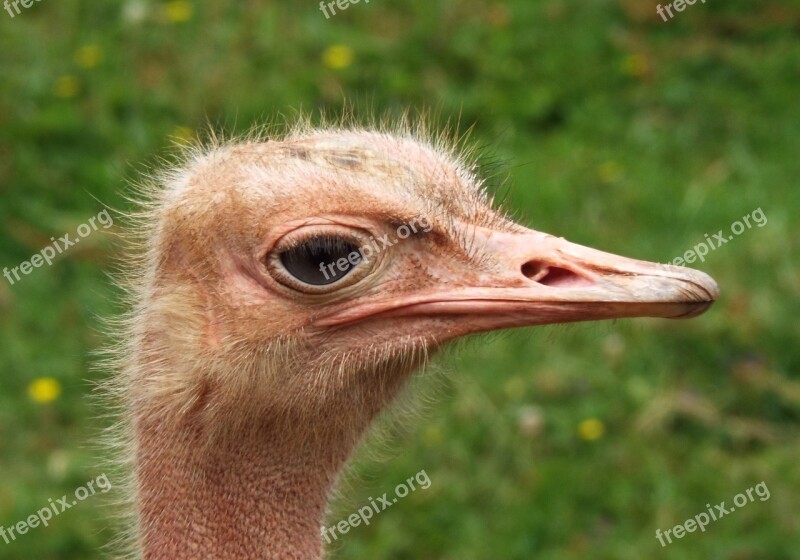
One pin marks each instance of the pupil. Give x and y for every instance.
(320, 261)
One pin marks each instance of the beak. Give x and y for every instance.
(534, 279)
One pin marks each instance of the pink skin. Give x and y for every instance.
(247, 391)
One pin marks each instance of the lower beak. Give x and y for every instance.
(539, 279)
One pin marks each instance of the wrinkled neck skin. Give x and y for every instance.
(251, 492)
(257, 497)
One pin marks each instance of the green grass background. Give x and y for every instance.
(617, 130)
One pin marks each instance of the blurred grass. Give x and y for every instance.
(619, 131)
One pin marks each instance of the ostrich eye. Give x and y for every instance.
(321, 260)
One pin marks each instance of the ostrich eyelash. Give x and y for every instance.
(318, 243)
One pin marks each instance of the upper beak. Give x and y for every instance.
(590, 284)
(537, 278)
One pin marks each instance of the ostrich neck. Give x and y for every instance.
(247, 477)
(259, 496)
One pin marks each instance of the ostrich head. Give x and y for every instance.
(287, 290)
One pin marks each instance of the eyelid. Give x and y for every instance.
(284, 245)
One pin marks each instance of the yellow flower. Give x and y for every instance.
(182, 134)
(591, 429)
(44, 390)
(338, 57)
(178, 11)
(66, 87)
(635, 65)
(88, 56)
(609, 172)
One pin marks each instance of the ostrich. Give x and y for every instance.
(263, 337)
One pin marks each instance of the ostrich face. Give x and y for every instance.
(352, 249)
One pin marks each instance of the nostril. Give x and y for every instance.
(534, 270)
(553, 276)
